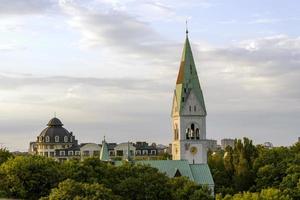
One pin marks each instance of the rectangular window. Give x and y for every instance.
(119, 153)
(77, 153)
(86, 153)
(96, 153)
(51, 154)
(70, 153)
(138, 152)
(62, 153)
(195, 108)
(111, 153)
(190, 108)
(145, 152)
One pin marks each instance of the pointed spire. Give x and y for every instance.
(186, 28)
(187, 78)
(104, 155)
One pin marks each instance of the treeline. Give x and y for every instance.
(245, 172)
(255, 172)
(36, 177)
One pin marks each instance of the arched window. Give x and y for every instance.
(187, 133)
(47, 139)
(192, 135)
(56, 138)
(197, 134)
(193, 127)
(190, 108)
(66, 139)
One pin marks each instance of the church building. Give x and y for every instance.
(189, 146)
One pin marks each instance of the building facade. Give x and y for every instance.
(55, 141)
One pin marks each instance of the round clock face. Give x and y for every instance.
(193, 150)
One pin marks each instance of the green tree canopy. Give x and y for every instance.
(29, 177)
(70, 189)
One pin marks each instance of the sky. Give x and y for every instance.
(109, 67)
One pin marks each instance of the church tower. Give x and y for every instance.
(188, 112)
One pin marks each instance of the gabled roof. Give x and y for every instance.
(200, 173)
(170, 167)
(187, 78)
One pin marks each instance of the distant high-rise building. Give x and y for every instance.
(212, 145)
(227, 142)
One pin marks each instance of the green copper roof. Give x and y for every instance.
(104, 156)
(170, 167)
(201, 174)
(187, 79)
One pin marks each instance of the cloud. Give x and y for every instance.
(15, 81)
(21, 7)
(121, 36)
(111, 27)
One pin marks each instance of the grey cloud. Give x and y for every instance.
(119, 31)
(24, 7)
(268, 68)
(14, 81)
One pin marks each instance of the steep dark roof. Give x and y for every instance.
(55, 128)
(54, 122)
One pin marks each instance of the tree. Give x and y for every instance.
(266, 194)
(70, 189)
(183, 188)
(4, 155)
(29, 177)
(141, 182)
(202, 194)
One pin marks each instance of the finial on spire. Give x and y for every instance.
(104, 138)
(186, 28)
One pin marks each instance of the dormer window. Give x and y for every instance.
(66, 139)
(56, 138)
(47, 139)
(71, 139)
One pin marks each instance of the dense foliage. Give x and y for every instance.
(242, 172)
(34, 177)
(256, 172)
